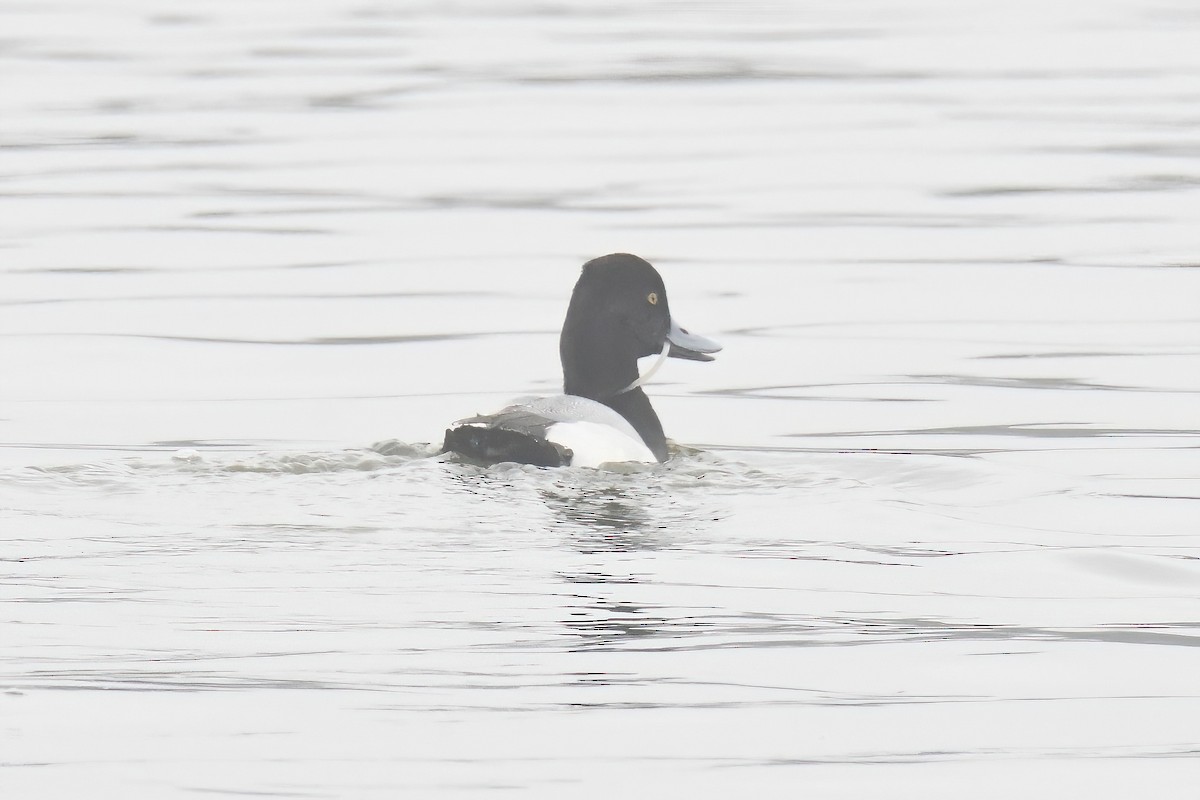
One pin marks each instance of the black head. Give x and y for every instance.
(618, 314)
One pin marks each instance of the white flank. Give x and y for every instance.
(594, 444)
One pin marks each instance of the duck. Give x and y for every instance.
(618, 313)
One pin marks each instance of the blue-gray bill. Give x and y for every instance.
(690, 346)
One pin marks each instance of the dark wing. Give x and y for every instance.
(492, 445)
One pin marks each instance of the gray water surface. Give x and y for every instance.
(934, 525)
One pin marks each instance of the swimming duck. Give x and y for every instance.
(618, 314)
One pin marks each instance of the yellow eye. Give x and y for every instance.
(652, 298)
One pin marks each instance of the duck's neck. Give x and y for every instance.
(635, 407)
(608, 371)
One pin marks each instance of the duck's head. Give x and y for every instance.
(618, 314)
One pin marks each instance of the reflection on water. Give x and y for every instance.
(936, 521)
(610, 518)
(604, 520)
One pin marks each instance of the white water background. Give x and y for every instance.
(939, 536)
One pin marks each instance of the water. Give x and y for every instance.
(937, 532)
